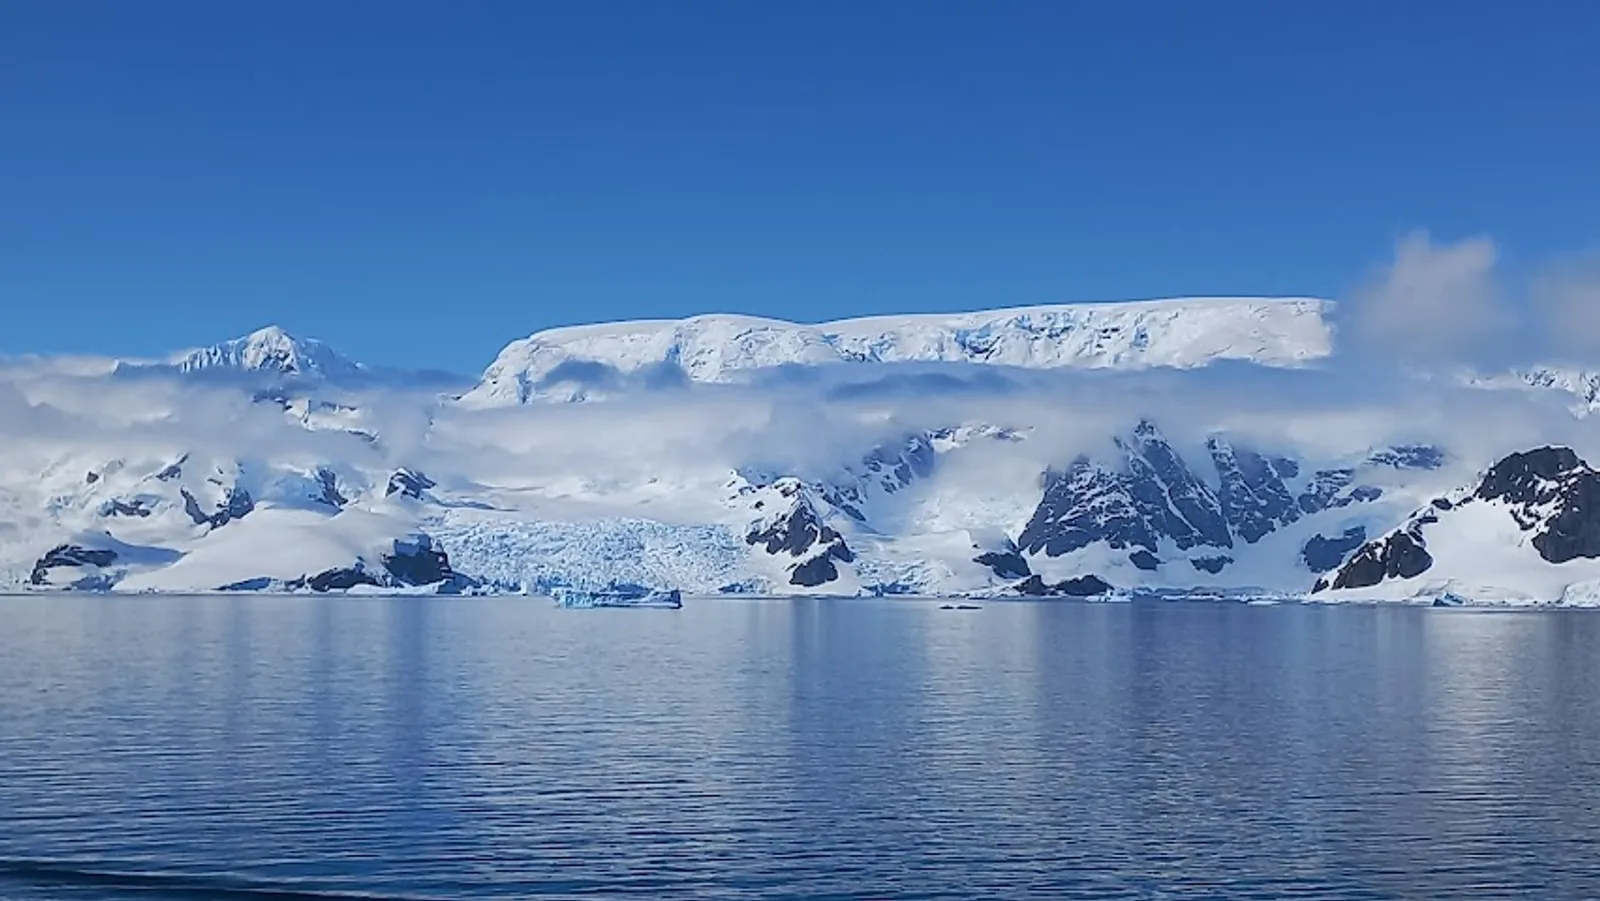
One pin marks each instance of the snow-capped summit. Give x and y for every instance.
(269, 350)
(1180, 333)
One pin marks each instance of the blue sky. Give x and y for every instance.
(418, 183)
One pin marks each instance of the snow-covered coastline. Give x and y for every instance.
(1183, 448)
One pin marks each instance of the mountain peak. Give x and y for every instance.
(270, 334)
(271, 350)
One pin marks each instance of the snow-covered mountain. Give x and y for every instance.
(577, 362)
(1527, 531)
(271, 357)
(271, 350)
(1112, 454)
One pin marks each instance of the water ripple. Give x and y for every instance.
(497, 748)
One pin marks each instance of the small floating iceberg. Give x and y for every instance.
(617, 595)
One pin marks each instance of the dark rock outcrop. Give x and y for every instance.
(1554, 492)
(1213, 564)
(887, 469)
(798, 531)
(339, 579)
(1409, 456)
(1165, 482)
(819, 570)
(1255, 500)
(1005, 564)
(1400, 555)
(236, 504)
(1323, 490)
(118, 507)
(1323, 554)
(1143, 559)
(328, 485)
(1153, 496)
(1082, 505)
(416, 561)
(173, 470)
(1079, 587)
(408, 483)
(70, 555)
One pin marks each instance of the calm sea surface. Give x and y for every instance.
(287, 748)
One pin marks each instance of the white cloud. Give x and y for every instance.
(1565, 299)
(1434, 303)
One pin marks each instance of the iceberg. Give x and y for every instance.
(618, 596)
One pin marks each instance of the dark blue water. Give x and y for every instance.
(265, 748)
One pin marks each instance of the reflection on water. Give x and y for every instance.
(426, 748)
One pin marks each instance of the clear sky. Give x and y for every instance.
(418, 183)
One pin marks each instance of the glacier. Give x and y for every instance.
(567, 363)
(1214, 445)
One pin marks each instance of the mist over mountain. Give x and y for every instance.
(1224, 445)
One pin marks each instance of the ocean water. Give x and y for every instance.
(291, 747)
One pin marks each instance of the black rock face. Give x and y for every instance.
(1153, 496)
(1083, 587)
(1255, 500)
(1006, 564)
(1323, 489)
(328, 483)
(1143, 559)
(340, 579)
(818, 570)
(800, 532)
(236, 504)
(1409, 456)
(418, 562)
(1082, 505)
(1401, 555)
(794, 534)
(1080, 587)
(408, 483)
(174, 470)
(887, 468)
(897, 469)
(1212, 565)
(69, 555)
(1534, 483)
(1322, 554)
(1531, 477)
(192, 507)
(117, 507)
(1200, 518)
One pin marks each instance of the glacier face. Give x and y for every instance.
(570, 363)
(1124, 458)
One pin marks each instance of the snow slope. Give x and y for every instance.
(568, 363)
(1526, 532)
